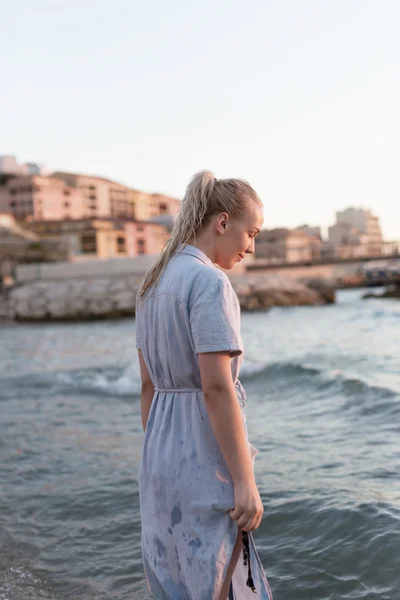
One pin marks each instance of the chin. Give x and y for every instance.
(226, 265)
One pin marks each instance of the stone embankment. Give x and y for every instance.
(390, 292)
(4, 308)
(258, 292)
(113, 297)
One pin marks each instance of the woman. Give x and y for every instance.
(198, 496)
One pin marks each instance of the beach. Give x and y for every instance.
(323, 408)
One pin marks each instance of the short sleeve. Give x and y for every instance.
(215, 320)
(138, 346)
(137, 325)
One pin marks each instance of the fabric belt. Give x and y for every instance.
(179, 390)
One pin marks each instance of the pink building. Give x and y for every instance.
(35, 197)
(73, 196)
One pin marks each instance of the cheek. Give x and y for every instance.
(246, 241)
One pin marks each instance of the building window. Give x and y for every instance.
(89, 243)
(67, 193)
(66, 204)
(163, 207)
(140, 244)
(140, 228)
(121, 248)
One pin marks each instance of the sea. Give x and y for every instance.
(323, 408)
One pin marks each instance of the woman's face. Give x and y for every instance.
(236, 237)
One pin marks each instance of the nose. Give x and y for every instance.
(250, 248)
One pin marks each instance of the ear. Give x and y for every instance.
(222, 223)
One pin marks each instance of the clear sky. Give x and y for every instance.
(300, 97)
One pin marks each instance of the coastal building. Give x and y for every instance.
(282, 245)
(103, 238)
(37, 197)
(19, 245)
(311, 231)
(30, 195)
(357, 232)
(105, 198)
(10, 166)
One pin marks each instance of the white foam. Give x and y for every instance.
(251, 367)
(127, 383)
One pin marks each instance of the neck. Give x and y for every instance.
(206, 245)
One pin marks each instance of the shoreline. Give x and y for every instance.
(96, 299)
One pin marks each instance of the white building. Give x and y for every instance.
(357, 227)
(312, 231)
(10, 166)
(364, 220)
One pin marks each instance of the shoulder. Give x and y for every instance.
(210, 282)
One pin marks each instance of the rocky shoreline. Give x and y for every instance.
(390, 292)
(84, 299)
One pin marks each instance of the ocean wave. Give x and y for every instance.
(115, 381)
(319, 379)
(253, 370)
(107, 381)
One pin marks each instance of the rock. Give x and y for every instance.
(56, 309)
(89, 298)
(5, 308)
(100, 306)
(391, 292)
(36, 313)
(125, 301)
(324, 288)
(24, 292)
(119, 285)
(22, 310)
(257, 292)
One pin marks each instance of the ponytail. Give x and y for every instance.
(204, 197)
(188, 222)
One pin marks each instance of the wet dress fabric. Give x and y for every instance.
(186, 490)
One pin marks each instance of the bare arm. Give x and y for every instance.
(147, 391)
(226, 420)
(224, 413)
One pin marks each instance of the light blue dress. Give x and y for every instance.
(186, 490)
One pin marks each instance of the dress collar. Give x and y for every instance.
(193, 251)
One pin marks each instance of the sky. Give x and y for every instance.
(299, 97)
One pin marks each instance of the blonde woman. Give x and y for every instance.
(198, 496)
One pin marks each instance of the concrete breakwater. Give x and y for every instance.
(87, 298)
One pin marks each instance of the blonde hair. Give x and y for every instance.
(205, 196)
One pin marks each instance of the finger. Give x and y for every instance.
(249, 525)
(243, 520)
(235, 513)
(257, 523)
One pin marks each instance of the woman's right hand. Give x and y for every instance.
(248, 509)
